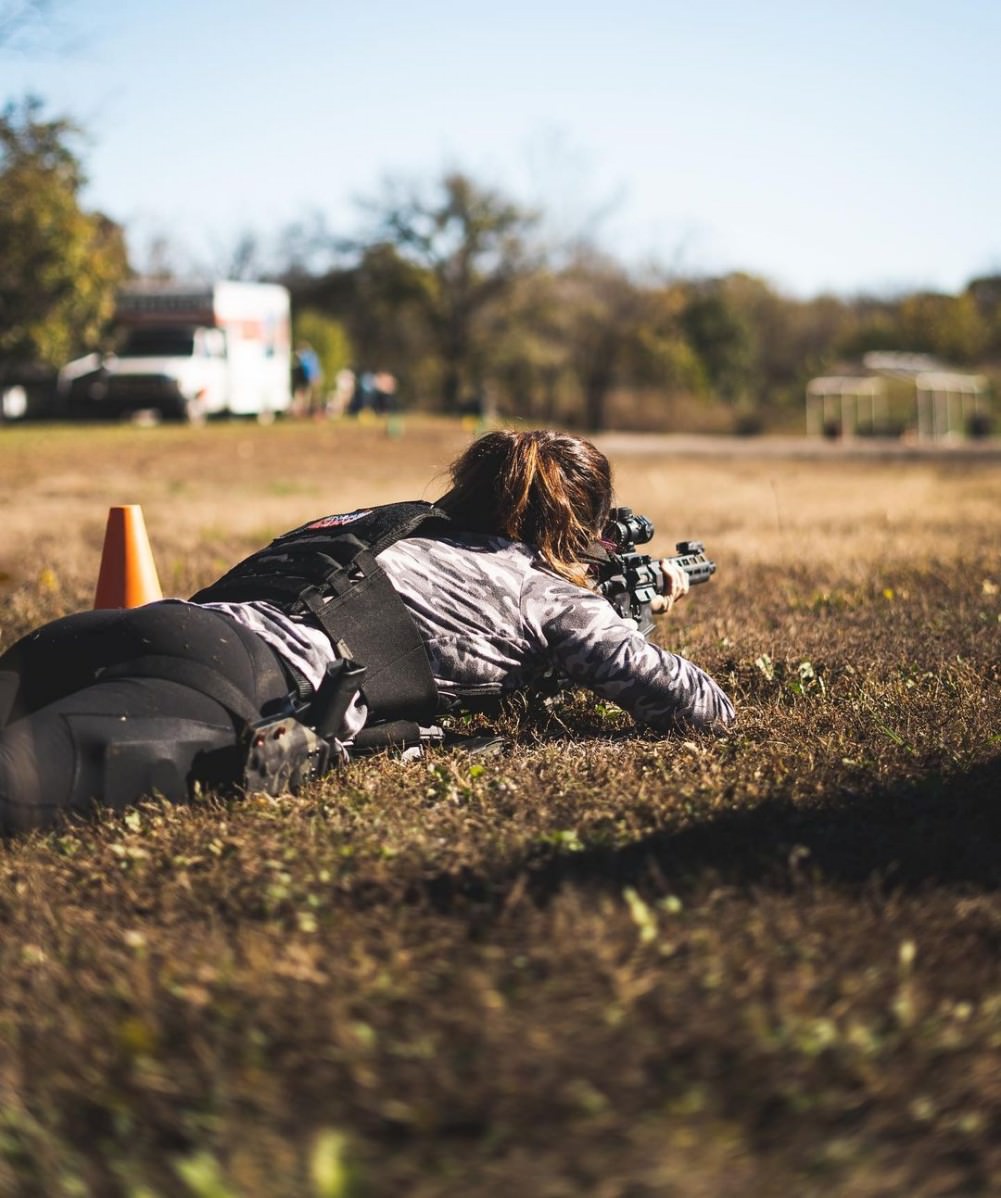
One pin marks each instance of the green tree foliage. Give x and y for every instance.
(776, 345)
(876, 326)
(59, 265)
(466, 247)
(443, 291)
(329, 340)
(660, 356)
(723, 338)
(621, 334)
(569, 339)
(379, 302)
(529, 336)
(604, 307)
(985, 293)
(949, 326)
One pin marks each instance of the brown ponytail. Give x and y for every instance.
(550, 490)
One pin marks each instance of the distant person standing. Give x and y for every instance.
(364, 396)
(385, 392)
(307, 375)
(343, 394)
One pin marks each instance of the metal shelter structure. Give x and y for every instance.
(836, 402)
(940, 396)
(946, 402)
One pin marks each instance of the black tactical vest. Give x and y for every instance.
(328, 568)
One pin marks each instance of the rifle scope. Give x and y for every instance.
(624, 528)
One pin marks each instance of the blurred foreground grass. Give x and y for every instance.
(606, 964)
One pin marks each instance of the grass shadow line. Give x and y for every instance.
(942, 830)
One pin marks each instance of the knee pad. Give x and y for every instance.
(118, 763)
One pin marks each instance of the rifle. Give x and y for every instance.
(630, 580)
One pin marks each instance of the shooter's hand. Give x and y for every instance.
(675, 585)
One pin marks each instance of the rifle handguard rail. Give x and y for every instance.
(630, 580)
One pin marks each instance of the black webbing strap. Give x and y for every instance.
(329, 569)
(397, 734)
(193, 674)
(369, 616)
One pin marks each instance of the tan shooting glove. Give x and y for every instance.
(675, 585)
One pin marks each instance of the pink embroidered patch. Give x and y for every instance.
(337, 521)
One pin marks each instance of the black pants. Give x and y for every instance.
(70, 736)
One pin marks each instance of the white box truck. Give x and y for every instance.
(187, 353)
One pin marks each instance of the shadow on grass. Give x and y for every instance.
(941, 830)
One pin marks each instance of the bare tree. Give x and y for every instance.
(469, 243)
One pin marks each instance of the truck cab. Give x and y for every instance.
(188, 353)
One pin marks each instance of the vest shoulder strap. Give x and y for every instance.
(377, 528)
(328, 568)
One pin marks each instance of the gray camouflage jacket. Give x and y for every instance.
(495, 620)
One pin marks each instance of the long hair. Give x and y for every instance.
(550, 490)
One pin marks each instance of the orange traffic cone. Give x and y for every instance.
(128, 575)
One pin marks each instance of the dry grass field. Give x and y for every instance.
(606, 964)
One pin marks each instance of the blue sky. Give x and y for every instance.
(847, 146)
